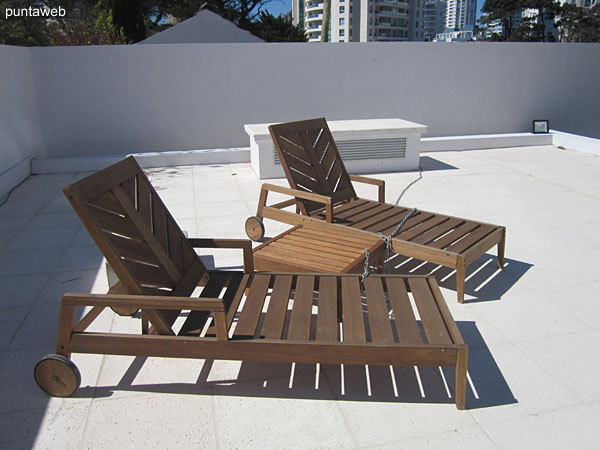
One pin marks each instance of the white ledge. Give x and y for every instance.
(575, 142)
(483, 141)
(146, 160)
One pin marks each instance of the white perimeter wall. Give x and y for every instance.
(20, 136)
(120, 99)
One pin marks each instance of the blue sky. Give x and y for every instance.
(277, 7)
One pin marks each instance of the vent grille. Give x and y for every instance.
(357, 149)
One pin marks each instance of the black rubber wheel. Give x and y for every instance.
(255, 228)
(57, 375)
(125, 311)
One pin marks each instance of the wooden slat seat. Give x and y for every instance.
(367, 316)
(330, 197)
(438, 230)
(250, 315)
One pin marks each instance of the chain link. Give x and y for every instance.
(388, 239)
(365, 273)
(388, 249)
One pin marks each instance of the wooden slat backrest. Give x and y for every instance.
(311, 161)
(134, 230)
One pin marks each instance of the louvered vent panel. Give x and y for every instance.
(357, 149)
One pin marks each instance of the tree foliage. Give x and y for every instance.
(544, 22)
(277, 29)
(100, 22)
(503, 11)
(89, 25)
(26, 31)
(578, 24)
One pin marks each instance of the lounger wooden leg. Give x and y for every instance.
(145, 325)
(66, 321)
(262, 201)
(460, 279)
(460, 377)
(501, 245)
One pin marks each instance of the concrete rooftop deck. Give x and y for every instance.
(533, 329)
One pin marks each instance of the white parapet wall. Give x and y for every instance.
(101, 101)
(106, 100)
(574, 142)
(20, 136)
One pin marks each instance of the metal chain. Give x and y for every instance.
(365, 273)
(402, 222)
(388, 248)
(388, 239)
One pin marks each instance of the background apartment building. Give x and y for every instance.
(435, 18)
(460, 15)
(363, 20)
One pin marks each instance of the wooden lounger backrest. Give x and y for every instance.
(311, 161)
(135, 231)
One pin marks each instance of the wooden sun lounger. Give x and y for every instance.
(322, 191)
(237, 315)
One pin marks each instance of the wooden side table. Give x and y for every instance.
(312, 247)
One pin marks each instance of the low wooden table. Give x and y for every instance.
(311, 247)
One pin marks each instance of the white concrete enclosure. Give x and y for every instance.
(366, 146)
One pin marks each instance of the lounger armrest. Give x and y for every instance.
(148, 302)
(374, 181)
(325, 200)
(244, 244)
(145, 301)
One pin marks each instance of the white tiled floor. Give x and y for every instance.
(533, 329)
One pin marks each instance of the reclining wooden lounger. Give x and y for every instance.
(322, 191)
(158, 271)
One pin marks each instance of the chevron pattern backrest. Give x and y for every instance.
(136, 233)
(311, 161)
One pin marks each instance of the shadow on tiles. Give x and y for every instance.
(427, 164)
(333, 382)
(484, 280)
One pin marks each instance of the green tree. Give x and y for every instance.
(128, 16)
(534, 28)
(87, 24)
(241, 12)
(25, 31)
(325, 25)
(569, 17)
(92, 22)
(277, 29)
(577, 24)
(503, 11)
(539, 27)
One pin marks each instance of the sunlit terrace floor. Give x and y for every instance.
(533, 329)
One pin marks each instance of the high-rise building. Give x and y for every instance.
(460, 15)
(363, 20)
(581, 3)
(435, 18)
(298, 13)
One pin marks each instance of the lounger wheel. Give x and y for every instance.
(57, 375)
(125, 310)
(255, 228)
